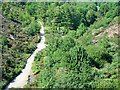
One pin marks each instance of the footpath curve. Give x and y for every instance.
(22, 78)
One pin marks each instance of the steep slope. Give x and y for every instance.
(22, 78)
(20, 36)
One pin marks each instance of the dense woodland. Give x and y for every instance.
(72, 59)
(20, 35)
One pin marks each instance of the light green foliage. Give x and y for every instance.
(104, 9)
(101, 23)
(16, 44)
(71, 59)
(98, 54)
(4, 41)
(91, 17)
(81, 30)
(61, 61)
(53, 45)
(66, 43)
(38, 63)
(31, 8)
(72, 80)
(93, 7)
(111, 14)
(33, 28)
(46, 79)
(78, 57)
(72, 34)
(86, 39)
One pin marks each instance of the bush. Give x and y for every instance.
(66, 43)
(72, 34)
(98, 54)
(78, 56)
(81, 30)
(86, 39)
(4, 41)
(32, 28)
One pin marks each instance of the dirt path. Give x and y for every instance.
(22, 78)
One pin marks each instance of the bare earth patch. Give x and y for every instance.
(110, 32)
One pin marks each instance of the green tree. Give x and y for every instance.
(90, 17)
(5, 41)
(66, 16)
(46, 79)
(104, 9)
(2, 7)
(43, 7)
(33, 28)
(98, 54)
(56, 22)
(78, 57)
(66, 43)
(31, 8)
(81, 30)
(93, 7)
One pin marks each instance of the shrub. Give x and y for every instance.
(5, 41)
(98, 54)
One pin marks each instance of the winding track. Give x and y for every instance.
(22, 78)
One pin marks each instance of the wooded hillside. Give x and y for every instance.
(82, 41)
(72, 59)
(20, 35)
